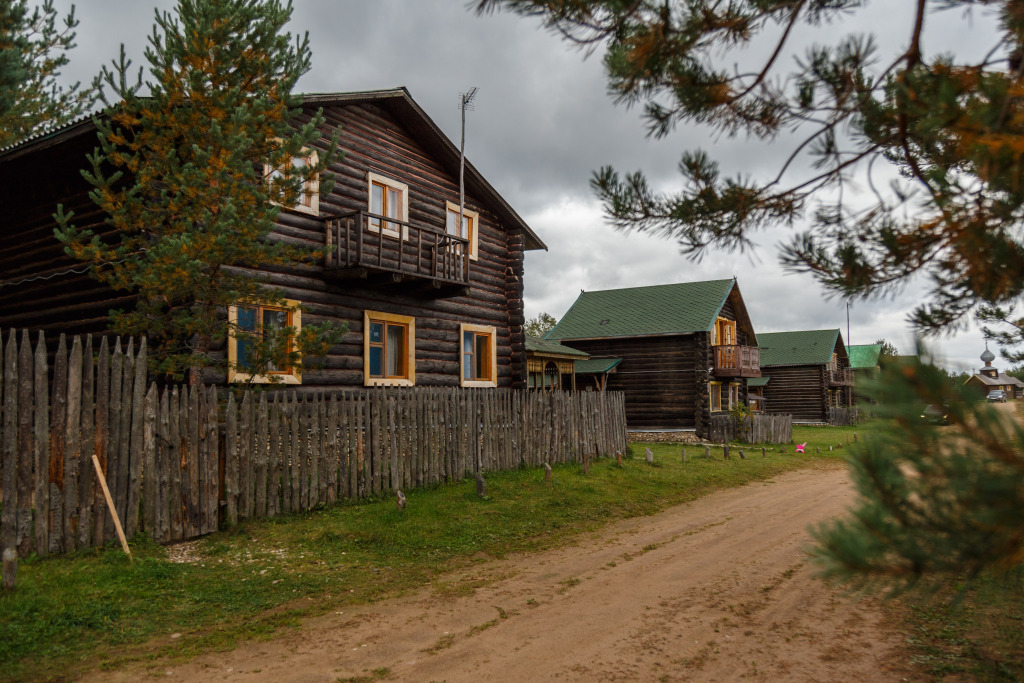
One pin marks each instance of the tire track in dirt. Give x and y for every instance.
(719, 589)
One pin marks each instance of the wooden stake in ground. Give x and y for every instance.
(547, 470)
(725, 451)
(684, 455)
(586, 463)
(707, 452)
(401, 500)
(618, 458)
(10, 568)
(110, 506)
(743, 455)
(650, 454)
(764, 453)
(481, 485)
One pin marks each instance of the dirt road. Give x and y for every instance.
(716, 590)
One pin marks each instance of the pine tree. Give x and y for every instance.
(952, 135)
(191, 177)
(33, 49)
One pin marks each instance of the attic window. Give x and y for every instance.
(605, 321)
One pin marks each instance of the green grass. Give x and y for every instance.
(976, 633)
(95, 608)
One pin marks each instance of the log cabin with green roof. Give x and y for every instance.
(865, 363)
(683, 351)
(808, 372)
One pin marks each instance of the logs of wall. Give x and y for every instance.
(800, 390)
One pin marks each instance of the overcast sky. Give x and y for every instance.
(543, 122)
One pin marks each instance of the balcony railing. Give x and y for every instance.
(737, 361)
(840, 377)
(373, 247)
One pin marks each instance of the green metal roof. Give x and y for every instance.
(806, 347)
(538, 345)
(755, 382)
(680, 308)
(596, 366)
(864, 355)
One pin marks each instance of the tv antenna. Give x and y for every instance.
(465, 103)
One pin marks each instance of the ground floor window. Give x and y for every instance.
(478, 366)
(389, 349)
(261, 342)
(715, 396)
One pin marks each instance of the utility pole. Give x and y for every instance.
(847, 322)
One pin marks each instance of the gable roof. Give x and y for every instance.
(680, 308)
(548, 346)
(397, 101)
(805, 347)
(864, 355)
(596, 366)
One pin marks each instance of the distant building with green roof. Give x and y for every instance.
(683, 350)
(809, 372)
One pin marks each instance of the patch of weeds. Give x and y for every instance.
(443, 643)
(532, 603)
(473, 630)
(374, 675)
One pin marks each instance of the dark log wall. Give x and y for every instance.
(800, 390)
(658, 376)
(371, 141)
(36, 291)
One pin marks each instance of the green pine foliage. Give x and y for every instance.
(539, 325)
(33, 49)
(934, 499)
(192, 175)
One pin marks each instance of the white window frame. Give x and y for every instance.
(293, 376)
(410, 361)
(402, 189)
(474, 233)
(310, 187)
(479, 329)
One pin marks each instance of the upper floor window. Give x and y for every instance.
(308, 200)
(723, 332)
(389, 349)
(479, 364)
(388, 199)
(261, 343)
(468, 229)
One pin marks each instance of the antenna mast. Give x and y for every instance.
(465, 102)
(848, 323)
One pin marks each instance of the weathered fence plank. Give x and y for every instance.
(9, 454)
(86, 470)
(41, 449)
(72, 445)
(58, 425)
(26, 385)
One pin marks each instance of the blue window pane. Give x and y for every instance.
(247, 319)
(376, 361)
(467, 366)
(242, 349)
(467, 342)
(376, 332)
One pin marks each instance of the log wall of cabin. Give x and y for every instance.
(371, 140)
(657, 374)
(800, 390)
(36, 289)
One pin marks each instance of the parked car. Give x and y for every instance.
(935, 414)
(997, 396)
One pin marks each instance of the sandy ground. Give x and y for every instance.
(716, 590)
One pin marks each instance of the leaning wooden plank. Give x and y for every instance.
(231, 461)
(86, 493)
(100, 439)
(73, 445)
(25, 539)
(149, 463)
(114, 427)
(9, 455)
(110, 506)
(58, 425)
(120, 494)
(136, 450)
(41, 449)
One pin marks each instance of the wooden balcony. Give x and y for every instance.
(402, 252)
(841, 377)
(737, 361)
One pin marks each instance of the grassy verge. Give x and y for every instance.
(95, 608)
(975, 635)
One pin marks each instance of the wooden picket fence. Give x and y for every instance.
(841, 416)
(292, 452)
(163, 453)
(756, 428)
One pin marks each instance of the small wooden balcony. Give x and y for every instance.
(737, 361)
(840, 377)
(381, 250)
